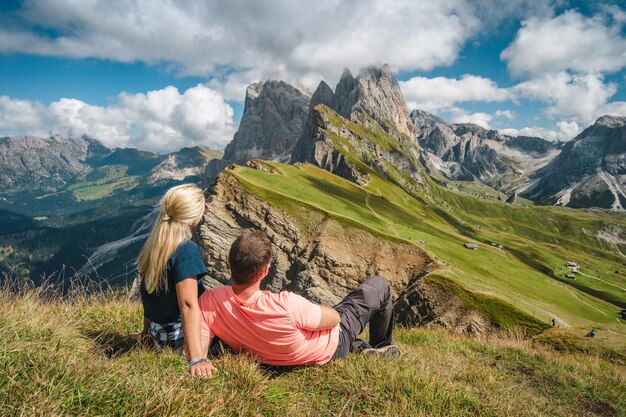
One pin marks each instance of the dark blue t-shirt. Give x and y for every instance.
(162, 305)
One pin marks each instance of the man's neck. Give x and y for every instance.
(243, 292)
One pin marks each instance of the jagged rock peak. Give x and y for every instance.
(611, 121)
(375, 92)
(274, 116)
(323, 95)
(422, 117)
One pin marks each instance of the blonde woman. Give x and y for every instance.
(171, 268)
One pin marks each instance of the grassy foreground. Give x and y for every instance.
(67, 357)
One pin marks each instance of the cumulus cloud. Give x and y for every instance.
(569, 41)
(505, 114)
(433, 94)
(582, 96)
(161, 120)
(307, 39)
(563, 131)
(461, 116)
(20, 115)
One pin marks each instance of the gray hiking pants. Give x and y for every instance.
(369, 303)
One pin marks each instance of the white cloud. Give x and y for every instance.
(579, 96)
(307, 39)
(616, 108)
(479, 118)
(569, 41)
(432, 94)
(233, 86)
(161, 120)
(505, 114)
(563, 131)
(20, 115)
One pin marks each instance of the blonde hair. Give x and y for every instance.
(182, 207)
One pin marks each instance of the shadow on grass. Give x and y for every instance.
(114, 344)
(273, 371)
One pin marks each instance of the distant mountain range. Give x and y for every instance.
(40, 168)
(64, 198)
(284, 123)
(361, 131)
(468, 152)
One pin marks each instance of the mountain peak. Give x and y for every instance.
(376, 93)
(421, 117)
(376, 72)
(273, 118)
(611, 121)
(254, 90)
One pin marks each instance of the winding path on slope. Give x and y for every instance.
(600, 279)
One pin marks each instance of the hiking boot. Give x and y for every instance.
(387, 352)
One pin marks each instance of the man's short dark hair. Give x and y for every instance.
(248, 255)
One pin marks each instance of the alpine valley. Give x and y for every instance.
(468, 224)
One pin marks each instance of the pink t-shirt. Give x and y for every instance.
(278, 329)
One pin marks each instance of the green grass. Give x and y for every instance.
(103, 182)
(68, 357)
(392, 214)
(501, 314)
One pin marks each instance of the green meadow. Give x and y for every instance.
(528, 273)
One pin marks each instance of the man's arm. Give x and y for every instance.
(187, 294)
(330, 318)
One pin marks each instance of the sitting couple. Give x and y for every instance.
(277, 329)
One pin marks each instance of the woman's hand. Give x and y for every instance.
(202, 369)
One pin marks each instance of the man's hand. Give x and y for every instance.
(202, 370)
(137, 338)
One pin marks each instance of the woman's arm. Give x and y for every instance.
(187, 294)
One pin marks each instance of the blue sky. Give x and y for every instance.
(159, 75)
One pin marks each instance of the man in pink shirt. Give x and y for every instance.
(286, 329)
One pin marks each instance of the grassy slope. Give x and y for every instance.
(67, 358)
(398, 216)
(111, 178)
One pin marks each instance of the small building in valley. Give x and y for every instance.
(572, 264)
(471, 246)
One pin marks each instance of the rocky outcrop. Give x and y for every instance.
(425, 303)
(186, 163)
(376, 93)
(273, 119)
(364, 120)
(589, 172)
(322, 261)
(323, 152)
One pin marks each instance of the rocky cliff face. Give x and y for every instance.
(364, 121)
(465, 151)
(185, 163)
(33, 164)
(273, 119)
(589, 172)
(322, 259)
